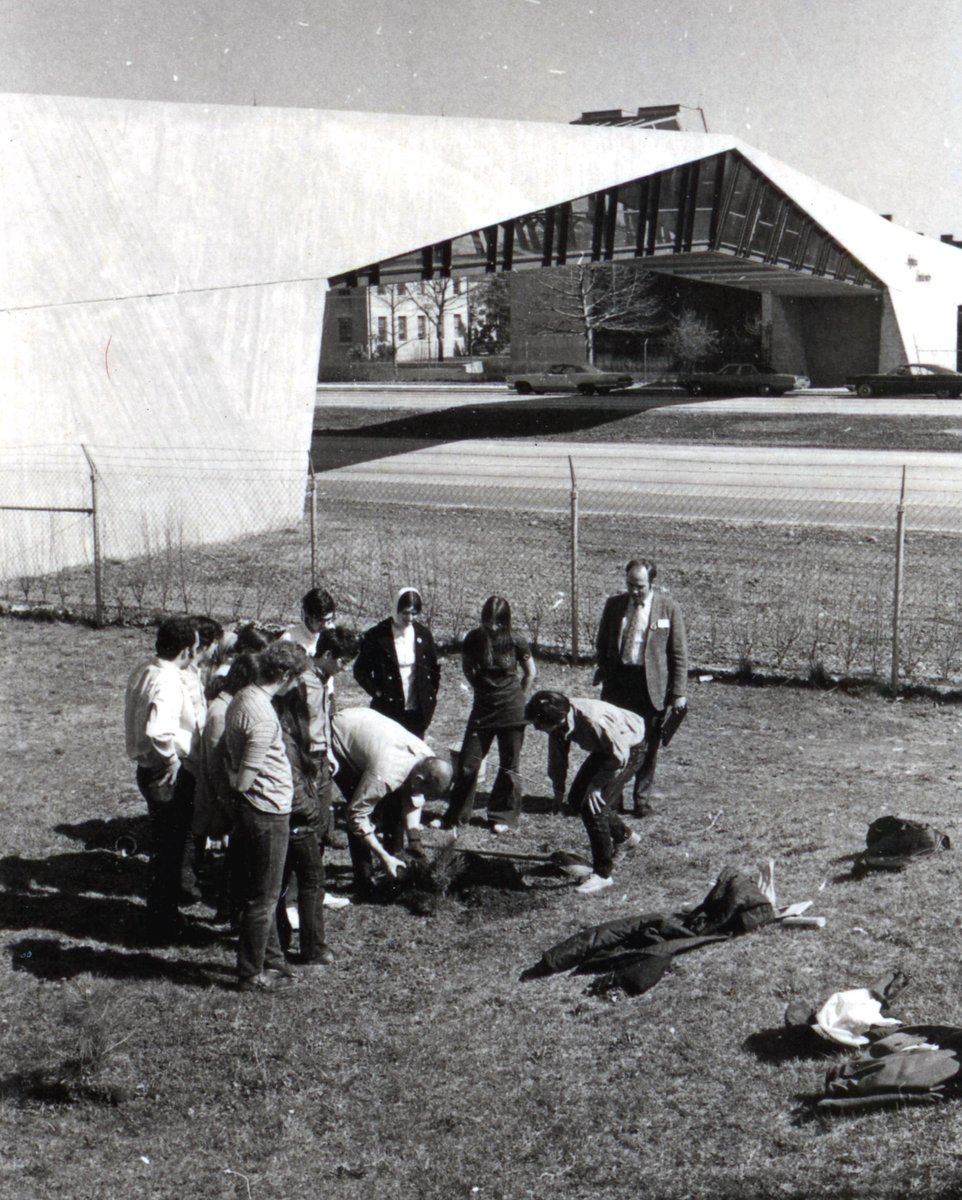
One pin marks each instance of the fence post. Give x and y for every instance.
(312, 492)
(98, 557)
(574, 562)
(897, 600)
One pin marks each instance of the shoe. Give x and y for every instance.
(335, 902)
(293, 917)
(642, 809)
(500, 829)
(267, 981)
(438, 823)
(593, 884)
(323, 956)
(631, 842)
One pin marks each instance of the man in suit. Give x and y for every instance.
(642, 655)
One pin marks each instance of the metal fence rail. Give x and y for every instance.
(787, 567)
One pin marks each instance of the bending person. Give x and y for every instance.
(385, 774)
(616, 746)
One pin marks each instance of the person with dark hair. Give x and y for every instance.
(161, 732)
(219, 804)
(491, 658)
(642, 655)
(615, 741)
(259, 772)
(384, 773)
(317, 613)
(398, 665)
(336, 649)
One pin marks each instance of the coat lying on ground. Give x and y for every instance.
(638, 949)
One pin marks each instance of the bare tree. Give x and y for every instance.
(489, 315)
(690, 339)
(589, 298)
(431, 297)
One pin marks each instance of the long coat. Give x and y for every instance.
(666, 647)
(377, 672)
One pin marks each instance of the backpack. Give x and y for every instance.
(735, 904)
(891, 843)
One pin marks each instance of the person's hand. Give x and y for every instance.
(393, 865)
(172, 771)
(681, 703)
(595, 803)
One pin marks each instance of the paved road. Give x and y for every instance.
(799, 486)
(434, 397)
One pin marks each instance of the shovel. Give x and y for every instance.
(566, 861)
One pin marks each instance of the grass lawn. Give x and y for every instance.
(418, 1065)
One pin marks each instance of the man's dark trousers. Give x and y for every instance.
(170, 807)
(628, 689)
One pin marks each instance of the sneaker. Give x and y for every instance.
(631, 842)
(267, 981)
(293, 917)
(501, 829)
(438, 823)
(336, 902)
(594, 883)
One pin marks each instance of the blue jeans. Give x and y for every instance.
(263, 850)
(600, 777)
(171, 811)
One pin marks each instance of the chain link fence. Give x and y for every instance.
(784, 564)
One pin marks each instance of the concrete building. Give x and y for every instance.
(164, 272)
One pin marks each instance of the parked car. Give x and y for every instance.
(910, 379)
(569, 377)
(741, 379)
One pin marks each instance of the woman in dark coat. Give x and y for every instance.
(498, 665)
(398, 665)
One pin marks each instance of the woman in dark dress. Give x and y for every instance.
(498, 665)
(397, 665)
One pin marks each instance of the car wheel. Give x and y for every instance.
(944, 393)
(777, 391)
(604, 391)
(523, 389)
(695, 389)
(865, 390)
(586, 389)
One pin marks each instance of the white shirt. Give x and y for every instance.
(636, 652)
(404, 653)
(302, 635)
(160, 720)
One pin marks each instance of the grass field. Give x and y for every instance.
(418, 1065)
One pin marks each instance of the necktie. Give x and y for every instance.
(631, 633)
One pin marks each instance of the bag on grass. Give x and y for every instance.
(891, 843)
(920, 1064)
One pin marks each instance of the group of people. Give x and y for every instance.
(236, 739)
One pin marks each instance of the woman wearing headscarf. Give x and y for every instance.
(398, 666)
(498, 665)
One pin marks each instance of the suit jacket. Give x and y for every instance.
(666, 647)
(376, 670)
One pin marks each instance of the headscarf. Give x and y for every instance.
(413, 591)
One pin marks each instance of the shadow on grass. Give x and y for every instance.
(74, 874)
(119, 833)
(48, 959)
(97, 918)
(535, 417)
(784, 1042)
(44, 1088)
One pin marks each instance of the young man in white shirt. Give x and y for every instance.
(161, 731)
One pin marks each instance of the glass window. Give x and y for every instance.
(422, 327)
(733, 223)
(382, 329)
(402, 329)
(764, 229)
(666, 225)
(345, 330)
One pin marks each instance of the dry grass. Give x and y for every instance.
(419, 1065)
